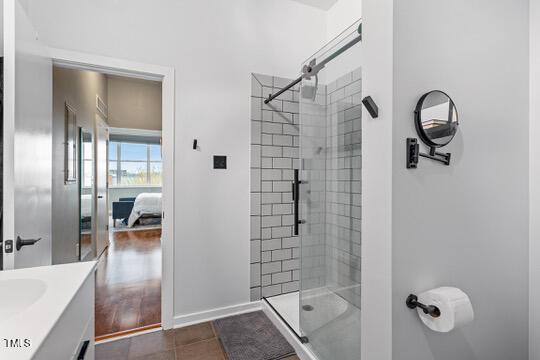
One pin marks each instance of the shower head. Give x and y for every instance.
(308, 88)
(309, 91)
(313, 68)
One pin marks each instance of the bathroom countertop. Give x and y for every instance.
(45, 293)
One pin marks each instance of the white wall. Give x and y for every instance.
(340, 16)
(466, 224)
(534, 181)
(377, 143)
(214, 45)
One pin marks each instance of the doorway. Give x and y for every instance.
(136, 295)
(28, 72)
(119, 122)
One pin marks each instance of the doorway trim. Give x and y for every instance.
(122, 67)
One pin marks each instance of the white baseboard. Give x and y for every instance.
(213, 314)
(301, 350)
(137, 333)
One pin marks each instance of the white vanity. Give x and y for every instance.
(47, 312)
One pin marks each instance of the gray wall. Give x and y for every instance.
(534, 181)
(134, 103)
(466, 224)
(79, 89)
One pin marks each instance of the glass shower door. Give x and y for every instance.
(330, 203)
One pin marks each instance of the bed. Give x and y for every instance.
(146, 210)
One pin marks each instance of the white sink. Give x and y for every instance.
(48, 306)
(18, 295)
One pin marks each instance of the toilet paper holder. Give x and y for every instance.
(413, 303)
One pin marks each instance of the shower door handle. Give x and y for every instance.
(296, 199)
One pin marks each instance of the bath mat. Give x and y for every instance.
(252, 336)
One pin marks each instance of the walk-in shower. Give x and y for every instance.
(326, 193)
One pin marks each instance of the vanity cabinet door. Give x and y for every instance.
(74, 326)
(86, 347)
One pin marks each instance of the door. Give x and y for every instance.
(27, 141)
(101, 185)
(330, 205)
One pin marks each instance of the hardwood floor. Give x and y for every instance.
(128, 282)
(197, 342)
(86, 245)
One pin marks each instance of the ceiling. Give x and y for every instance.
(321, 4)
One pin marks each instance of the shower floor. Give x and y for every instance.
(332, 325)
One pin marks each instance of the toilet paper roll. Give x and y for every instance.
(455, 306)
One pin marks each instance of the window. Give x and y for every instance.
(87, 161)
(134, 164)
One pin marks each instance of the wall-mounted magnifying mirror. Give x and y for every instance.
(436, 121)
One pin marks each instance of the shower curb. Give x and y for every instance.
(301, 350)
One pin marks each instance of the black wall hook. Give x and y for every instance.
(412, 303)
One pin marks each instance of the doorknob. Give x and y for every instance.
(100, 197)
(25, 242)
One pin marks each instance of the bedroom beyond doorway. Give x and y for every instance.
(135, 177)
(108, 139)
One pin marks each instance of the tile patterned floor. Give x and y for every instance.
(197, 342)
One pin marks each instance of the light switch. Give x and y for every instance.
(220, 162)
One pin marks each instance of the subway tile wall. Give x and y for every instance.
(313, 190)
(275, 263)
(343, 186)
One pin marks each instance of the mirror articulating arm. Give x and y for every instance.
(413, 154)
(437, 156)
